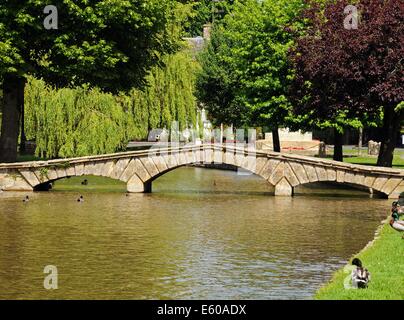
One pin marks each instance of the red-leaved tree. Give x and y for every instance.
(356, 71)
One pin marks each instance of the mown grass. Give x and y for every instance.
(385, 261)
(398, 160)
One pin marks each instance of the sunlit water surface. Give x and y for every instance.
(201, 234)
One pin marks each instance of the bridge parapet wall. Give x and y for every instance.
(140, 168)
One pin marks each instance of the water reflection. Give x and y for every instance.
(202, 234)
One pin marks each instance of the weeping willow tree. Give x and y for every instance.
(82, 121)
(170, 93)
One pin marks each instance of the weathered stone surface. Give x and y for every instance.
(290, 175)
(61, 172)
(283, 188)
(340, 176)
(379, 183)
(349, 177)
(331, 174)
(268, 168)
(98, 166)
(119, 168)
(89, 168)
(277, 174)
(141, 171)
(107, 168)
(160, 163)
(52, 175)
(359, 179)
(41, 175)
(170, 161)
(30, 177)
(135, 184)
(259, 165)
(70, 172)
(300, 172)
(13, 181)
(397, 191)
(322, 150)
(369, 180)
(374, 148)
(321, 174)
(390, 185)
(129, 171)
(150, 166)
(79, 169)
(311, 172)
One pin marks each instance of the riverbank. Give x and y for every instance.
(384, 258)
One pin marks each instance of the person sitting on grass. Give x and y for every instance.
(360, 276)
(395, 222)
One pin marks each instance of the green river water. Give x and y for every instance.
(201, 234)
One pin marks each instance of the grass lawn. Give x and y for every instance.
(398, 160)
(385, 261)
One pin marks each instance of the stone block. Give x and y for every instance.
(269, 168)
(331, 174)
(150, 166)
(141, 171)
(311, 172)
(283, 188)
(300, 172)
(321, 173)
(277, 174)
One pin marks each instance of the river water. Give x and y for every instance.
(201, 234)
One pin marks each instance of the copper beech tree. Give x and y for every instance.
(355, 70)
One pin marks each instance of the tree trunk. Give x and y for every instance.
(391, 127)
(275, 140)
(10, 126)
(360, 141)
(23, 138)
(338, 155)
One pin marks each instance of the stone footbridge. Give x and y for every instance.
(138, 169)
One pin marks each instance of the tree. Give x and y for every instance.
(109, 44)
(246, 72)
(354, 71)
(72, 122)
(206, 11)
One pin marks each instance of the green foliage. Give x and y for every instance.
(83, 121)
(73, 122)
(245, 70)
(205, 11)
(107, 43)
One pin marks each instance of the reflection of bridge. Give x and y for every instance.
(139, 168)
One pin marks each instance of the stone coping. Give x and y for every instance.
(224, 148)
